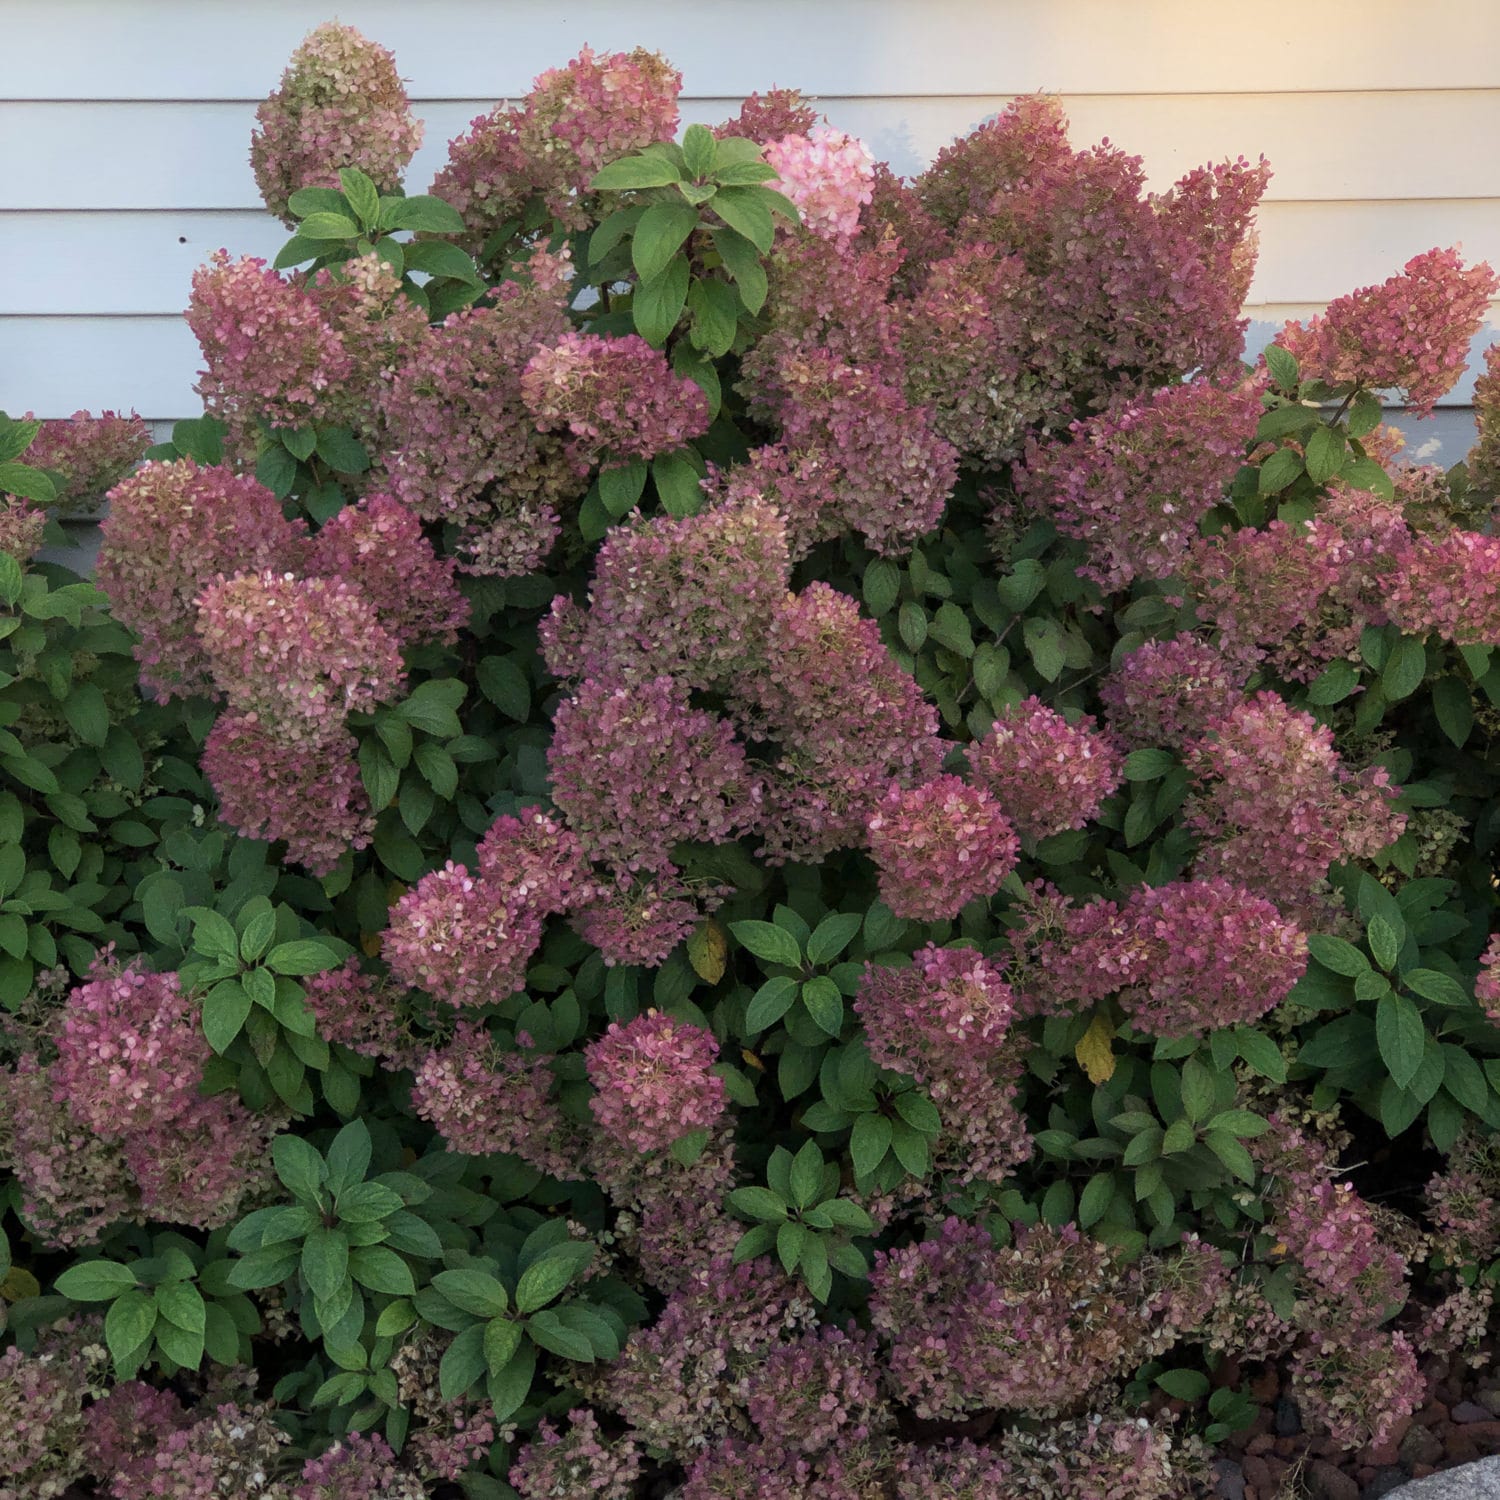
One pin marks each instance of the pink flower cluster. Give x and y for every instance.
(269, 352)
(1451, 587)
(827, 174)
(357, 1467)
(357, 1011)
(21, 528)
(949, 1011)
(271, 788)
(939, 846)
(1411, 333)
(769, 116)
(87, 455)
(1276, 806)
(1135, 482)
(378, 546)
(690, 598)
(819, 1392)
(41, 1422)
(548, 149)
(297, 655)
(654, 1081)
(466, 939)
(1487, 984)
(1357, 1387)
(636, 770)
(1047, 774)
(340, 104)
(634, 920)
(1484, 458)
(616, 398)
(482, 1097)
(172, 530)
(1164, 693)
(463, 446)
(579, 1461)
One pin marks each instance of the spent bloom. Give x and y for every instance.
(311, 795)
(635, 920)
(1411, 333)
(359, 1466)
(21, 528)
(87, 455)
(653, 1080)
(635, 770)
(1357, 1387)
(579, 1461)
(41, 1424)
(172, 530)
(357, 1011)
(1165, 692)
(130, 1050)
(297, 655)
(536, 860)
(818, 1392)
(939, 846)
(1135, 482)
(340, 104)
(939, 1018)
(1046, 773)
(616, 398)
(828, 175)
(1450, 586)
(1487, 984)
(461, 939)
(378, 547)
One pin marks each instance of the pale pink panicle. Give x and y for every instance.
(939, 846)
(1164, 693)
(459, 938)
(357, 1011)
(828, 175)
(653, 1081)
(616, 398)
(1276, 806)
(1487, 985)
(21, 528)
(948, 1014)
(1450, 587)
(1046, 773)
(1410, 333)
(769, 116)
(359, 1466)
(483, 1097)
(536, 859)
(269, 353)
(1483, 461)
(297, 655)
(172, 530)
(578, 1461)
(341, 104)
(638, 921)
(311, 795)
(1135, 482)
(691, 597)
(130, 1051)
(636, 769)
(378, 547)
(87, 455)
(42, 1420)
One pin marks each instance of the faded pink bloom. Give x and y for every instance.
(653, 1082)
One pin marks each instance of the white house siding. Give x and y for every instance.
(124, 128)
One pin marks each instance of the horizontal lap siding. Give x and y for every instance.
(125, 136)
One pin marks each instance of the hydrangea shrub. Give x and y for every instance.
(788, 828)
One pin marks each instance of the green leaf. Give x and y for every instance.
(1337, 954)
(1279, 471)
(869, 1142)
(1464, 1079)
(509, 1390)
(1149, 765)
(825, 1004)
(298, 1165)
(1400, 1036)
(367, 1203)
(462, 1364)
(348, 1157)
(1334, 684)
(363, 196)
(436, 258)
(678, 482)
(501, 1340)
(546, 1278)
(634, 172)
(881, 586)
(742, 261)
(550, 1332)
(621, 487)
(658, 303)
(381, 1270)
(224, 1010)
(771, 1002)
(325, 1261)
(1261, 1053)
(327, 225)
(769, 942)
(1404, 668)
(95, 1281)
(747, 215)
(302, 956)
(832, 935)
(1232, 1153)
(1185, 1385)
(27, 483)
(699, 150)
(715, 316)
(1441, 989)
(437, 769)
(87, 713)
(758, 1203)
(805, 1181)
(181, 1303)
(474, 1291)
(263, 1268)
(659, 235)
(422, 212)
(1325, 454)
(1283, 367)
(128, 1324)
(1454, 708)
(342, 451)
(1366, 474)
(1044, 644)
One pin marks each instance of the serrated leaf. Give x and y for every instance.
(1401, 1037)
(1094, 1052)
(767, 941)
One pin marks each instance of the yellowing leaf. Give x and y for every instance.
(708, 950)
(751, 1060)
(18, 1284)
(1095, 1055)
(369, 943)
